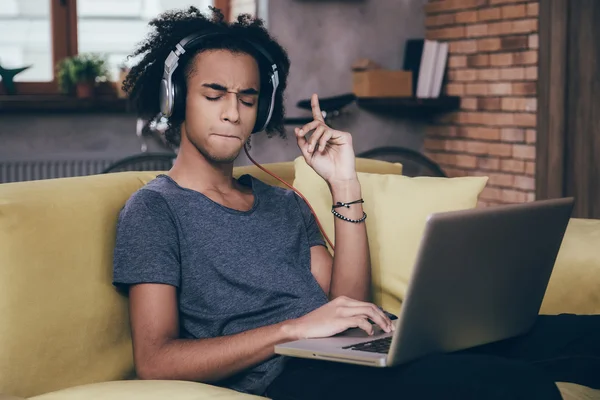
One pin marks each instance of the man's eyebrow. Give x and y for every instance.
(221, 88)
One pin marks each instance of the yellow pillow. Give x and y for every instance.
(397, 208)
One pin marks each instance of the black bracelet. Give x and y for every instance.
(347, 205)
(355, 221)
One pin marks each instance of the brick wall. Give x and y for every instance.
(492, 66)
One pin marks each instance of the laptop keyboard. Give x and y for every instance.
(374, 346)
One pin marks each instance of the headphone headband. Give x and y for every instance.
(168, 91)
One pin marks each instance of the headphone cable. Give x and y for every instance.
(297, 192)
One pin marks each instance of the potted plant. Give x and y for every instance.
(80, 74)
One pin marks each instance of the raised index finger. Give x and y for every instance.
(316, 109)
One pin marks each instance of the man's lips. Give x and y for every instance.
(227, 136)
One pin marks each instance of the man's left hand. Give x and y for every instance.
(328, 151)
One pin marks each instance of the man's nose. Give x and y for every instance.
(231, 111)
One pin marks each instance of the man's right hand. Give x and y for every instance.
(338, 315)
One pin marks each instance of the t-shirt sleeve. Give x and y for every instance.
(147, 242)
(312, 228)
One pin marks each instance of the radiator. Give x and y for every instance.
(30, 170)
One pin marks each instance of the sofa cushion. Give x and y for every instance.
(574, 286)
(146, 390)
(397, 207)
(61, 321)
(285, 170)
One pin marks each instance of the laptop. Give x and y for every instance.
(480, 276)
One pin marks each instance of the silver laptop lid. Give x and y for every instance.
(480, 276)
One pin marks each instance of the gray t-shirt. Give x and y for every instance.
(233, 270)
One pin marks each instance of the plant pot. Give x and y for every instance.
(84, 90)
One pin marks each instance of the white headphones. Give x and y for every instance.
(172, 93)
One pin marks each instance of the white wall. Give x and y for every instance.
(323, 39)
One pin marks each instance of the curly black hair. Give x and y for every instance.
(142, 83)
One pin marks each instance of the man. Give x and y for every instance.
(219, 270)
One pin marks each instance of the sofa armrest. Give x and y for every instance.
(575, 283)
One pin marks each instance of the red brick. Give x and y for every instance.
(525, 88)
(463, 75)
(478, 148)
(439, 20)
(513, 135)
(530, 196)
(531, 73)
(476, 88)
(467, 161)
(492, 44)
(463, 47)
(500, 28)
(531, 135)
(488, 163)
(527, 120)
(457, 146)
(500, 149)
(455, 89)
(454, 32)
(519, 104)
(526, 57)
(468, 103)
(501, 59)
(512, 74)
(450, 5)
(490, 193)
(502, 180)
(531, 104)
(488, 74)
(525, 26)
(466, 17)
(534, 41)
(457, 61)
(434, 144)
(499, 88)
(514, 42)
(530, 168)
(524, 182)
(524, 151)
(533, 9)
(488, 103)
(512, 12)
(477, 30)
(489, 14)
(512, 166)
(479, 132)
(513, 196)
(478, 60)
(493, 119)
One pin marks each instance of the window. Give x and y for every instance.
(241, 7)
(42, 32)
(113, 27)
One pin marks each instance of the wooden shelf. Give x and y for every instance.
(62, 104)
(409, 105)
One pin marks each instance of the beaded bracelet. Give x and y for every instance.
(355, 221)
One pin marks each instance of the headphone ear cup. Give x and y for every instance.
(264, 102)
(179, 94)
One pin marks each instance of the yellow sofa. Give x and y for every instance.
(64, 331)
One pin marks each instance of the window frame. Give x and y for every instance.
(63, 21)
(63, 31)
